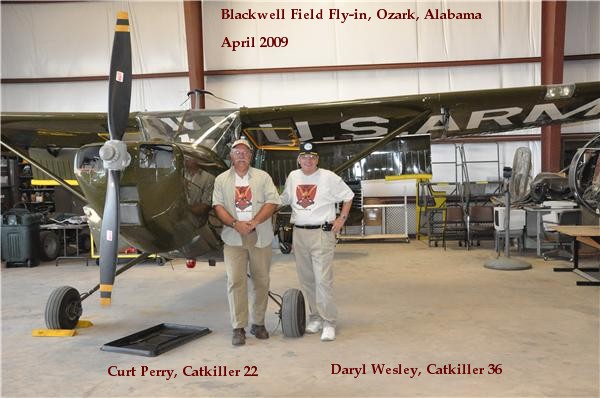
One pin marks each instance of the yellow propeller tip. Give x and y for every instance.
(123, 15)
(106, 288)
(105, 301)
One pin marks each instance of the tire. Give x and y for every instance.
(286, 248)
(49, 245)
(84, 243)
(63, 308)
(293, 314)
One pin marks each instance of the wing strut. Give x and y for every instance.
(384, 140)
(44, 170)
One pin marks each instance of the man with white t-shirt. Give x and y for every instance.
(312, 193)
(244, 199)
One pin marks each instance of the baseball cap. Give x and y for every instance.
(242, 142)
(308, 148)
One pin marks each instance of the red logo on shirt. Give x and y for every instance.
(306, 195)
(243, 197)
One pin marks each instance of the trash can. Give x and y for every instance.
(21, 238)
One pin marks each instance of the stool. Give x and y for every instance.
(514, 234)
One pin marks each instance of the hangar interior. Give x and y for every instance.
(434, 302)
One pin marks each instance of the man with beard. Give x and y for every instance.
(244, 199)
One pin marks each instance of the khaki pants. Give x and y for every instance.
(239, 261)
(314, 249)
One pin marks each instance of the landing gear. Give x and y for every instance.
(63, 308)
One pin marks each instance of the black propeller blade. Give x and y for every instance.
(114, 152)
(119, 89)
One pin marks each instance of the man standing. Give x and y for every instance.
(312, 193)
(244, 199)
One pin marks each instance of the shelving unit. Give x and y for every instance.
(8, 181)
(17, 188)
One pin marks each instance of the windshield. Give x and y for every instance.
(213, 129)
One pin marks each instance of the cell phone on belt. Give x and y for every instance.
(327, 227)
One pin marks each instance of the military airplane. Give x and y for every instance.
(151, 176)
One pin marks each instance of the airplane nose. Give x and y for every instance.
(107, 153)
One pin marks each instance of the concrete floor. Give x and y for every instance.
(402, 305)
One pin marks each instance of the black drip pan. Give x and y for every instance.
(156, 340)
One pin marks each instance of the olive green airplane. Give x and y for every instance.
(151, 177)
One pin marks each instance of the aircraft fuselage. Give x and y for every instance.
(165, 197)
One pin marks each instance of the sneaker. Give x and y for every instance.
(328, 333)
(314, 326)
(260, 331)
(239, 336)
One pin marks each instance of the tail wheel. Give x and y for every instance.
(293, 314)
(63, 308)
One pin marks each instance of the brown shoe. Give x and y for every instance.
(260, 331)
(239, 336)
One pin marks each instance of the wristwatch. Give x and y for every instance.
(232, 225)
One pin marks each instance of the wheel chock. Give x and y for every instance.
(82, 323)
(53, 332)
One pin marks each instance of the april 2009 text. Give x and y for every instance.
(250, 42)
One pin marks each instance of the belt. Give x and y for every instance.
(308, 226)
(312, 226)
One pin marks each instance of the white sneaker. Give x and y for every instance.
(328, 333)
(314, 326)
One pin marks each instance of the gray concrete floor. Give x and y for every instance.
(402, 305)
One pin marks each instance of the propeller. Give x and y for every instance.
(114, 152)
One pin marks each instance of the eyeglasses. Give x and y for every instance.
(311, 157)
(237, 152)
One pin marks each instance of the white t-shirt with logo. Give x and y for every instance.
(313, 197)
(243, 198)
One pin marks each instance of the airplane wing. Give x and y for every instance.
(391, 133)
(62, 130)
(454, 113)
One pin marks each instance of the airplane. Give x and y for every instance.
(151, 176)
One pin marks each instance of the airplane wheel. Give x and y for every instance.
(49, 245)
(63, 308)
(286, 248)
(293, 315)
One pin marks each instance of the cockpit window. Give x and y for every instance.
(213, 129)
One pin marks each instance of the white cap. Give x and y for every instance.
(242, 142)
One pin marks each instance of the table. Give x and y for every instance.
(64, 228)
(539, 211)
(588, 234)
